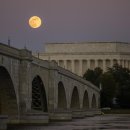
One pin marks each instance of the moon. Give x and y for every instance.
(35, 22)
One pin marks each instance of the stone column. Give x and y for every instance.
(73, 66)
(58, 62)
(80, 68)
(112, 63)
(96, 63)
(117, 61)
(104, 65)
(127, 64)
(77, 67)
(65, 64)
(88, 64)
(120, 62)
(84, 66)
(123, 63)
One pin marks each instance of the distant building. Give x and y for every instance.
(78, 57)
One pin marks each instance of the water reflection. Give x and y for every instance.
(106, 122)
(106, 128)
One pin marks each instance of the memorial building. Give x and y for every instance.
(78, 57)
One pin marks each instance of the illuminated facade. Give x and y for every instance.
(78, 57)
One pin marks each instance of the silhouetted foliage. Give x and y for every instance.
(108, 89)
(93, 76)
(115, 85)
(122, 78)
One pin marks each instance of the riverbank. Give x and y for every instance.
(116, 111)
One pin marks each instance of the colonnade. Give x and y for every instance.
(79, 66)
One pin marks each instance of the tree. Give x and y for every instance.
(115, 84)
(122, 78)
(108, 89)
(93, 76)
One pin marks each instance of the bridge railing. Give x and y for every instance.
(39, 62)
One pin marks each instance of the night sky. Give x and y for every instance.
(64, 21)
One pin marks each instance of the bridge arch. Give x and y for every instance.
(75, 102)
(94, 104)
(39, 99)
(85, 100)
(62, 101)
(8, 100)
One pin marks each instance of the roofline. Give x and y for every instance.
(114, 42)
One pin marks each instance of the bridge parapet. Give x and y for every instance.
(41, 63)
(9, 51)
(23, 54)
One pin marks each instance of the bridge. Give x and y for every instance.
(37, 91)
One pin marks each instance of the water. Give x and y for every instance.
(104, 122)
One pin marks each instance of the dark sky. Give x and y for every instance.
(64, 21)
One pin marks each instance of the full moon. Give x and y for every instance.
(35, 22)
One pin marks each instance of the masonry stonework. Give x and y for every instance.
(34, 91)
(78, 57)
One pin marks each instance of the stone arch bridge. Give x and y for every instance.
(36, 91)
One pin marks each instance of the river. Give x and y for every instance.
(103, 122)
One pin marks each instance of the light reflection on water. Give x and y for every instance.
(106, 122)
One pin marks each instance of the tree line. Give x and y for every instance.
(114, 85)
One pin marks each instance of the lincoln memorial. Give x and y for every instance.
(78, 57)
